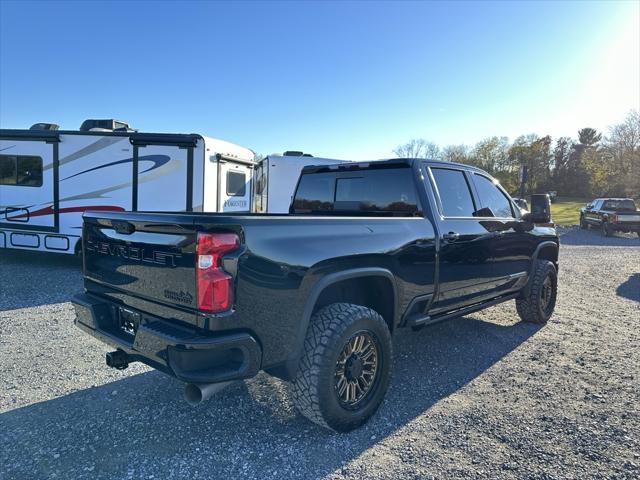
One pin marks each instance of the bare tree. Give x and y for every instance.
(626, 135)
(456, 153)
(418, 148)
(622, 154)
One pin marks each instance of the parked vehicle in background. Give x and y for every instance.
(276, 177)
(49, 177)
(522, 203)
(611, 215)
(313, 297)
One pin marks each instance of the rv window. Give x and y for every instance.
(7, 170)
(21, 170)
(236, 184)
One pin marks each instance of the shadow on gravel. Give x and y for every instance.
(29, 279)
(631, 288)
(140, 426)
(591, 237)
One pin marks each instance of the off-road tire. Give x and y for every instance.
(583, 223)
(314, 387)
(530, 304)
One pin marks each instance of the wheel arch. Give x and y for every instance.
(331, 289)
(545, 251)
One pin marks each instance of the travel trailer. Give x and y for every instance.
(49, 177)
(276, 177)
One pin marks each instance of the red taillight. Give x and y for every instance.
(215, 286)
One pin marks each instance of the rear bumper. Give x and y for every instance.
(180, 351)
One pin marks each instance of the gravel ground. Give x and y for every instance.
(482, 396)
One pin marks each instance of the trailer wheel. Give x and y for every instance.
(537, 302)
(345, 367)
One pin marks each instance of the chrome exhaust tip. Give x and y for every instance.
(196, 393)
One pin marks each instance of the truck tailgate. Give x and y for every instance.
(146, 255)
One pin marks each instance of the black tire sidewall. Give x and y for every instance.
(334, 414)
(583, 223)
(550, 270)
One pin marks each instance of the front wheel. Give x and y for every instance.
(537, 301)
(345, 367)
(583, 223)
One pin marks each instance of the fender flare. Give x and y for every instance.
(324, 282)
(534, 257)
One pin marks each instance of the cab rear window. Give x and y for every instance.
(384, 192)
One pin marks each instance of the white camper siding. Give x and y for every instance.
(198, 176)
(162, 178)
(210, 181)
(106, 171)
(95, 172)
(234, 158)
(28, 205)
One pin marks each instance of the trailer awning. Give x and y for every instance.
(179, 140)
(49, 136)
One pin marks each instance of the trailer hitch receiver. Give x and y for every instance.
(118, 360)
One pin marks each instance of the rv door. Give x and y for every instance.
(27, 176)
(234, 186)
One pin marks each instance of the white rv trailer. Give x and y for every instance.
(276, 177)
(48, 178)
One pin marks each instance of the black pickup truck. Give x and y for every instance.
(314, 297)
(611, 215)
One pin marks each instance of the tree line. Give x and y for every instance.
(590, 165)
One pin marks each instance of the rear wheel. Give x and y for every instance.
(537, 302)
(345, 368)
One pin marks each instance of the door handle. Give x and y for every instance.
(451, 236)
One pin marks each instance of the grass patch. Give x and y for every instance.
(566, 210)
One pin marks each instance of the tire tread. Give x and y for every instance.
(527, 304)
(326, 326)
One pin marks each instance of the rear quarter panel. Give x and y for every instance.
(286, 257)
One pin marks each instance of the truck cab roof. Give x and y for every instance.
(388, 163)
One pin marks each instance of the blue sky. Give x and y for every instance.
(346, 80)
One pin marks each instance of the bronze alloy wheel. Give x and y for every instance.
(357, 369)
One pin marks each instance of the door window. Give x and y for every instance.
(23, 170)
(454, 193)
(492, 197)
(236, 184)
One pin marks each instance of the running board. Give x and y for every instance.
(420, 320)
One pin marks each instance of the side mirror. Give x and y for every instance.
(540, 209)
